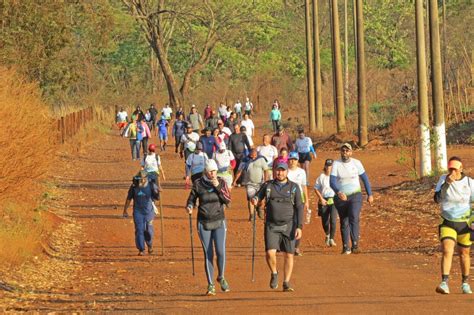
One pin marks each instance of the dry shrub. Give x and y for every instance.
(404, 129)
(27, 139)
(26, 154)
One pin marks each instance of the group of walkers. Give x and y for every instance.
(219, 154)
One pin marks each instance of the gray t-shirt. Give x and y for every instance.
(254, 170)
(195, 120)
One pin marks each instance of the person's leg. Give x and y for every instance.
(464, 255)
(270, 257)
(140, 223)
(206, 242)
(145, 146)
(306, 169)
(148, 234)
(132, 148)
(325, 214)
(333, 220)
(219, 236)
(341, 207)
(288, 266)
(137, 149)
(354, 206)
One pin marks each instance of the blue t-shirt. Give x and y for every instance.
(162, 126)
(209, 145)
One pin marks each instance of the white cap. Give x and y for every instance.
(211, 166)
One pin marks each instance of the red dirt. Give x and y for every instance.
(396, 273)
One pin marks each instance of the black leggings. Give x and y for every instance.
(328, 219)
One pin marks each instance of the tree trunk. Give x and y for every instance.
(341, 120)
(424, 127)
(437, 87)
(309, 67)
(361, 80)
(346, 57)
(317, 69)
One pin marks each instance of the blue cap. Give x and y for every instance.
(282, 165)
(293, 155)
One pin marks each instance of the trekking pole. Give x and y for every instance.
(191, 233)
(254, 220)
(162, 230)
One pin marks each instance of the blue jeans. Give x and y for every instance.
(135, 147)
(349, 214)
(218, 237)
(144, 230)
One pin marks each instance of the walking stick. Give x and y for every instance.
(162, 230)
(254, 219)
(192, 244)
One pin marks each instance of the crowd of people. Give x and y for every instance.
(219, 153)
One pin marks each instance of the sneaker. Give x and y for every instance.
(150, 249)
(442, 288)
(287, 287)
(224, 285)
(332, 243)
(274, 281)
(326, 240)
(356, 250)
(346, 251)
(466, 288)
(298, 252)
(141, 253)
(211, 290)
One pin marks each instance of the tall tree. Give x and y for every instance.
(309, 67)
(346, 56)
(425, 154)
(437, 88)
(202, 25)
(317, 68)
(338, 82)
(361, 80)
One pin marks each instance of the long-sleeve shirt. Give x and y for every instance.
(211, 199)
(238, 143)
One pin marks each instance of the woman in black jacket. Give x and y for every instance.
(213, 194)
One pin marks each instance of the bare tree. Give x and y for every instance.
(361, 79)
(317, 68)
(309, 67)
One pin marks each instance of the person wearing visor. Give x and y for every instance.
(344, 180)
(195, 164)
(326, 209)
(454, 193)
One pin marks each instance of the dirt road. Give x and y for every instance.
(396, 273)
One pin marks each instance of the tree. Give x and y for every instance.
(196, 27)
(309, 67)
(424, 123)
(317, 68)
(337, 68)
(361, 80)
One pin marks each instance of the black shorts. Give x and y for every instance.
(283, 240)
(303, 157)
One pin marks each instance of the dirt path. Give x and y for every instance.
(389, 277)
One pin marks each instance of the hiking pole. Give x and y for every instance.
(162, 230)
(191, 233)
(254, 220)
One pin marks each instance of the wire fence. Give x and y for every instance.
(69, 125)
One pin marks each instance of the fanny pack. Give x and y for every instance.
(214, 225)
(278, 228)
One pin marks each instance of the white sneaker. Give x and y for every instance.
(327, 241)
(332, 243)
(466, 288)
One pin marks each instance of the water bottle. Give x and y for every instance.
(308, 216)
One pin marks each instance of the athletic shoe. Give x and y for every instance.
(141, 253)
(332, 243)
(274, 281)
(298, 252)
(327, 241)
(287, 287)
(356, 250)
(466, 288)
(150, 249)
(224, 285)
(442, 288)
(346, 251)
(211, 290)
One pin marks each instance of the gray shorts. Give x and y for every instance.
(252, 190)
(280, 238)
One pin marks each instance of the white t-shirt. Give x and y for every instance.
(322, 184)
(270, 153)
(298, 176)
(223, 111)
(197, 162)
(248, 105)
(347, 175)
(167, 111)
(303, 145)
(122, 116)
(238, 107)
(223, 160)
(456, 204)
(190, 140)
(152, 163)
(248, 124)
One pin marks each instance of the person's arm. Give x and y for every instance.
(223, 192)
(237, 176)
(306, 196)
(191, 202)
(441, 189)
(246, 141)
(127, 202)
(320, 197)
(311, 149)
(299, 211)
(368, 189)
